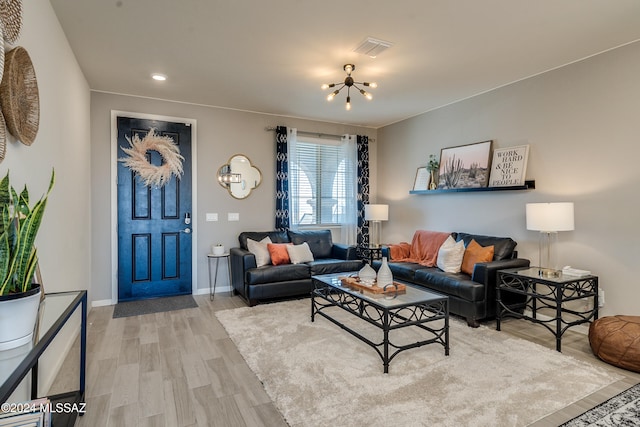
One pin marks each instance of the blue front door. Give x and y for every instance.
(154, 224)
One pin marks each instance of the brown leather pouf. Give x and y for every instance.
(616, 340)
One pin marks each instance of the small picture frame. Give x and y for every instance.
(465, 166)
(509, 166)
(422, 179)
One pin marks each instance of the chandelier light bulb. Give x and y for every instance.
(332, 95)
(366, 94)
(348, 106)
(324, 86)
(372, 84)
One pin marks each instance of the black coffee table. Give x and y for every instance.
(415, 307)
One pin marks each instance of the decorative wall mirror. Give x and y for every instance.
(239, 176)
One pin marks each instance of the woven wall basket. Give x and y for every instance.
(19, 96)
(3, 138)
(1, 53)
(11, 19)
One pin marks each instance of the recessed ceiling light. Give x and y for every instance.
(159, 77)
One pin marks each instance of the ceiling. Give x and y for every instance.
(271, 56)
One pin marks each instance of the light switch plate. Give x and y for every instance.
(233, 216)
(212, 217)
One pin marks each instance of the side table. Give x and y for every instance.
(555, 293)
(369, 252)
(212, 290)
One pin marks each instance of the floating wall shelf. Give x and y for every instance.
(528, 185)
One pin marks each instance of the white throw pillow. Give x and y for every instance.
(260, 250)
(300, 253)
(450, 255)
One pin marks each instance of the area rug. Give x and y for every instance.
(155, 305)
(319, 375)
(620, 410)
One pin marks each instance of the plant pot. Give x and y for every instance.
(18, 314)
(217, 250)
(9, 361)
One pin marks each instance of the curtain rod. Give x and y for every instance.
(318, 134)
(302, 132)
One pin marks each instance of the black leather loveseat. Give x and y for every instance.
(472, 297)
(286, 280)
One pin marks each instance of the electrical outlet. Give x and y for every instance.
(212, 217)
(233, 216)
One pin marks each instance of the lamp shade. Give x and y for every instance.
(376, 212)
(550, 216)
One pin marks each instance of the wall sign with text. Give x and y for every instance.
(509, 166)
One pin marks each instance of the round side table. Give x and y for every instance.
(210, 257)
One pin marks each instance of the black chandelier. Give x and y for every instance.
(349, 82)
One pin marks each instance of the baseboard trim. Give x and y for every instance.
(219, 289)
(101, 303)
(199, 291)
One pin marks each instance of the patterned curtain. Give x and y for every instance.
(282, 180)
(363, 188)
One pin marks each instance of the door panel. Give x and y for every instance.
(154, 251)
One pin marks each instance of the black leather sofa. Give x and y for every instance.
(287, 280)
(472, 297)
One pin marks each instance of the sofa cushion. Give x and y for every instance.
(319, 241)
(277, 273)
(474, 254)
(278, 253)
(300, 253)
(456, 284)
(260, 250)
(450, 255)
(503, 247)
(330, 266)
(275, 236)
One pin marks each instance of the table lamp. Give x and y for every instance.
(548, 219)
(375, 214)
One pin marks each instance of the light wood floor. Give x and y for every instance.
(180, 368)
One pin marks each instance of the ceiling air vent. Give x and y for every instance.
(372, 47)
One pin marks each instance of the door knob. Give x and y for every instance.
(187, 230)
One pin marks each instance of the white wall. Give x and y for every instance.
(221, 133)
(62, 143)
(581, 122)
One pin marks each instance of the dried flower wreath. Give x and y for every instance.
(151, 174)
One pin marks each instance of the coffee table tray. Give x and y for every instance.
(354, 282)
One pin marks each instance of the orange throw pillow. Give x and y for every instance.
(278, 253)
(473, 254)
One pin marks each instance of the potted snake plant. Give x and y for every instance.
(19, 295)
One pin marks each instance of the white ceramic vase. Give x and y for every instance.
(385, 277)
(367, 275)
(217, 250)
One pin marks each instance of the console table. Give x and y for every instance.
(555, 293)
(55, 311)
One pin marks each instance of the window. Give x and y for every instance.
(320, 176)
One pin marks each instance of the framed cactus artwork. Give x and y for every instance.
(465, 166)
